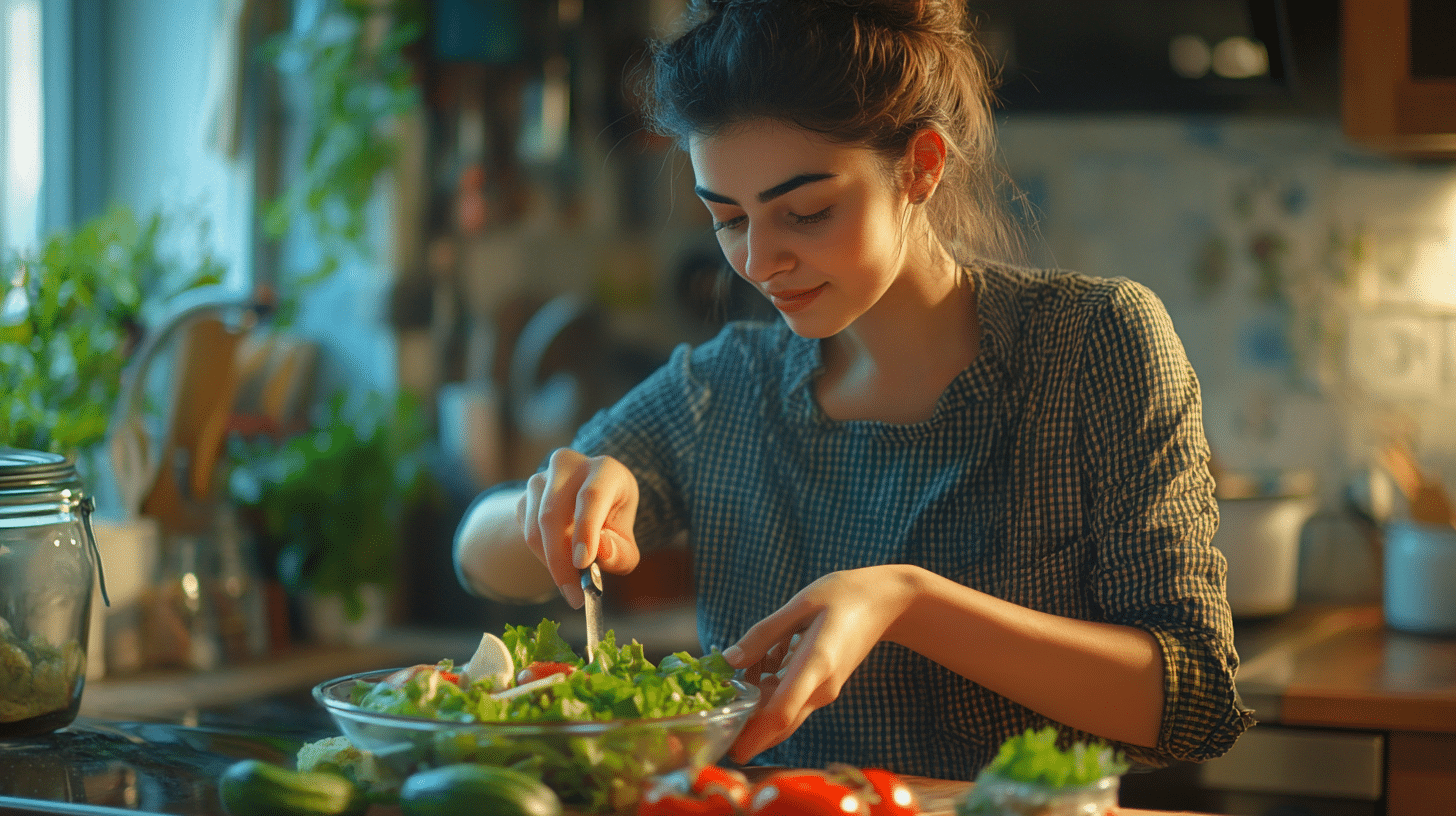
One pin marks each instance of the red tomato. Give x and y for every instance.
(543, 668)
(894, 797)
(713, 791)
(805, 794)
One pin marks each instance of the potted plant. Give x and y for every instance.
(329, 506)
(70, 318)
(352, 65)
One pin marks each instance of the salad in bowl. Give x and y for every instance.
(594, 731)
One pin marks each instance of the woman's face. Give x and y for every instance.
(816, 226)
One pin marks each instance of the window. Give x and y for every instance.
(21, 141)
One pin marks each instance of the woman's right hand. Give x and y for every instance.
(578, 510)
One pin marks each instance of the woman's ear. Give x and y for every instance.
(927, 164)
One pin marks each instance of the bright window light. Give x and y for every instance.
(20, 124)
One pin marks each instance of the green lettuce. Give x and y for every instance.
(594, 772)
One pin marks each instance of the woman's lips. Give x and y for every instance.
(793, 300)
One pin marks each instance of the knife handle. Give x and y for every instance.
(591, 579)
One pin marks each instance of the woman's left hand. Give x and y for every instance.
(801, 655)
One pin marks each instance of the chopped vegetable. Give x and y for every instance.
(469, 789)
(808, 793)
(892, 796)
(339, 756)
(620, 683)
(709, 791)
(252, 787)
(1035, 758)
(36, 677)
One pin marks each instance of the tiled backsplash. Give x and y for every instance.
(1314, 285)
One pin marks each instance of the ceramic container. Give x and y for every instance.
(1420, 578)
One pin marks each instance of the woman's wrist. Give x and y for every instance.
(913, 588)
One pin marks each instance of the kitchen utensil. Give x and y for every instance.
(584, 758)
(48, 563)
(591, 591)
(1420, 577)
(137, 454)
(1425, 494)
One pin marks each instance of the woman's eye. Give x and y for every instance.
(812, 218)
(732, 223)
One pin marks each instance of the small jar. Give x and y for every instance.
(994, 795)
(48, 565)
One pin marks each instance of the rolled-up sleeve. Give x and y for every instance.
(1154, 514)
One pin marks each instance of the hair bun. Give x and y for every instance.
(898, 14)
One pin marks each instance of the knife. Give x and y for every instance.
(591, 591)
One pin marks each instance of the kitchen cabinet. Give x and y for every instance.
(1399, 76)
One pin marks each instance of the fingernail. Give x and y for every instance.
(578, 554)
(733, 654)
(572, 594)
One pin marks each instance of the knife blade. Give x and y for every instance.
(591, 591)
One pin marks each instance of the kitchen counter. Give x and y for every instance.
(1340, 667)
(104, 768)
(157, 743)
(1348, 709)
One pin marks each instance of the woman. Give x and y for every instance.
(944, 499)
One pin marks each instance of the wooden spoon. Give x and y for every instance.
(1425, 494)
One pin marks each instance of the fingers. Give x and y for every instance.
(578, 510)
(778, 627)
(770, 726)
(603, 503)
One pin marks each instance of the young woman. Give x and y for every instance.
(944, 499)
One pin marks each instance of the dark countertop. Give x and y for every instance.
(1341, 667)
(157, 743)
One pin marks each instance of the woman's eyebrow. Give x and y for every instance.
(767, 195)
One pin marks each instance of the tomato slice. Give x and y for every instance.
(712, 791)
(805, 794)
(893, 796)
(543, 668)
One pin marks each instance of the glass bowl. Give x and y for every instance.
(595, 765)
(995, 795)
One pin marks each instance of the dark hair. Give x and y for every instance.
(866, 72)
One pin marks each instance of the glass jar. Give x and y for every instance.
(995, 795)
(48, 565)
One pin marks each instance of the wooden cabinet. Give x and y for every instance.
(1398, 76)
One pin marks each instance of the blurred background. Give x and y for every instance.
(295, 281)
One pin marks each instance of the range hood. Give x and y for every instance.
(1164, 56)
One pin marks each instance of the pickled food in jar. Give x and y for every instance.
(36, 677)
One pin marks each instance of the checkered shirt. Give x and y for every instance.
(1065, 470)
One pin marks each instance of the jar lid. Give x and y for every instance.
(31, 470)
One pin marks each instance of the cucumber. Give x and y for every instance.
(471, 789)
(255, 788)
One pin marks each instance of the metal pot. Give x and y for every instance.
(1259, 536)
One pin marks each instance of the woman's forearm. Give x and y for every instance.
(491, 557)
(1101, 678)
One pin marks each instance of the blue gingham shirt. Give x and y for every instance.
(1065, 470)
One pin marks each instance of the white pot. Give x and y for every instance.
(1260, 539)
(328, 625)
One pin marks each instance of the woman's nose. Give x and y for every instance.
(764, 255)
